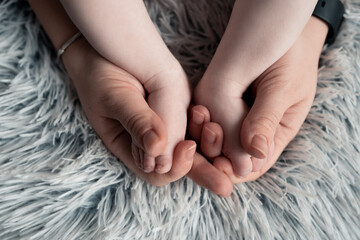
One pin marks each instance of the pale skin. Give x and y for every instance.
(248, 47)
(96, 79)
(80, 57)
(292, 78)
(257, 35)
(135, 45)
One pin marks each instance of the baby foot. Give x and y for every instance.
(130, 40)
(209, 135)
(227, 108)
(169, 97)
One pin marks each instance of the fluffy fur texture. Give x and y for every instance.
(58, 181)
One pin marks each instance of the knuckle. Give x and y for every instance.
(137, 123)
(268, 122)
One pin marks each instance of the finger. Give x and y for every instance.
(211, 139)
(183, 159)
(224, 164)
(206, 175)
(198, 116)
(286, 131)
(260, 124)
(129, 107)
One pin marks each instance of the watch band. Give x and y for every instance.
(331, 12)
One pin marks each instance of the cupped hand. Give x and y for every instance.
(115, 104)
(282, 97)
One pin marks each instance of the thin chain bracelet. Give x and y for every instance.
(67, 44)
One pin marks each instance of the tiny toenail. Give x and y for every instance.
(209, 135)
(260, 146)
(198, 118)
(159, 167)
(148, 169)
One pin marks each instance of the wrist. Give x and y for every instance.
(319, 28)
(75, 57)
(316, 31)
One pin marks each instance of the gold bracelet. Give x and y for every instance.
(67, 44)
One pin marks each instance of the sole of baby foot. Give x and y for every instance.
(169, 98)
(227, 109)
(241, 162)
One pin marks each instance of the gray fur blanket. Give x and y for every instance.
(58, 181)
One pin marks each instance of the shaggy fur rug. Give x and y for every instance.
(58, 181)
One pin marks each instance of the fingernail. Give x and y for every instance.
(260, 146)
(198, 118)
(148, 139)
(189, 154)
(209, 135)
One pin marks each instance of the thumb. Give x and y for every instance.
(147, 130)
(262, 121)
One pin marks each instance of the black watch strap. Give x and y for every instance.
(331, 12)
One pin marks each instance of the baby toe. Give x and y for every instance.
(257, 163)
(240, 160)
(149, 163)
(163, 164)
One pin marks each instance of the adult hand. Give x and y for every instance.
(114, 102)
(115, 105)
(283, 95)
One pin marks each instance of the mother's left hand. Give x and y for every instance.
(283, 95)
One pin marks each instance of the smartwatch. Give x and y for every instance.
(331, 12)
